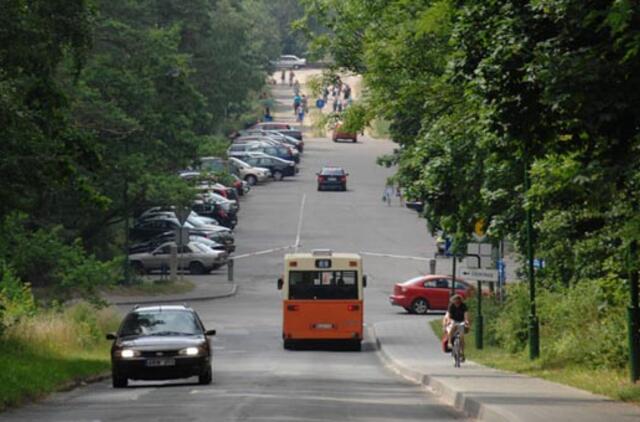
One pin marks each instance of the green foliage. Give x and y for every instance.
(16, 299)
(45, 259)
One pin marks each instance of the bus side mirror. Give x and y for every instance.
(280, 283)
(364, 280)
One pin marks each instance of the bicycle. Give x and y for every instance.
(457, 351)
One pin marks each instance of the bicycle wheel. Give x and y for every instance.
(456, 352)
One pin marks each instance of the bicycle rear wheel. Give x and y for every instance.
(456, 352)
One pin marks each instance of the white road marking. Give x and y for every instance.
(300, 219)
(263, 252)
(386, 255)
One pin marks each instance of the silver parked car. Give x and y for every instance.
(196, 257)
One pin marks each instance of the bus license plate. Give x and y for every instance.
(161, 362)
(323, 326)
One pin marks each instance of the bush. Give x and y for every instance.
(583, 324)
(42, 258)
(16, 299)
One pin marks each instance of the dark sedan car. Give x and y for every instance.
(332, 178)
(279, 168)
(161, 342)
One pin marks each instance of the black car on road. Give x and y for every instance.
(332, 178)
(161, 342)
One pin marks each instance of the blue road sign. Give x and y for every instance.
(320, 103)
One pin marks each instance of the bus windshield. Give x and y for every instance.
(323, 285)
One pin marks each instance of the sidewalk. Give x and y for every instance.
(206, 288)
(410, 348)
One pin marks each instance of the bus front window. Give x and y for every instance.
(323, 285)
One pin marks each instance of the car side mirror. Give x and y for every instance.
(280, 283)
(110, 336)
(364, 280)
(210, 333)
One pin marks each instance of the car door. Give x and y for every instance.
(159, 258)
(428, 290)
(441, 293)
(185, 254)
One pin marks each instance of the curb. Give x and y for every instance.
(471, 407)
(234, 290)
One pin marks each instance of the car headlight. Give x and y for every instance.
(190, 351)
(129, 353)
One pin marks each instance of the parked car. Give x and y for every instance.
(145, 230)
(152, 244)
(252, 175)
(194, 256)
(339, 134)
(283, 128)
(272, 134)
(430, 292)
(218, 210)
(289, 61)
(169, 212)
(278, 167)
(332, 178)
(161, 342)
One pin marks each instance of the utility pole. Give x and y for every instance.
(534, 328)
(633, 313)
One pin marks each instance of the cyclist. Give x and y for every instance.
(456, 315)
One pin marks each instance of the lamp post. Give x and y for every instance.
(534, 330)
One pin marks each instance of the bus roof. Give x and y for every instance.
(334, 255)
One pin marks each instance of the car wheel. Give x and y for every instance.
(319, 188)
(206, 377)
(420, 306)
(118, 381)
(277, 175)
(251, 180)
(138, 268)
(196, 268)
(354, 140)
(355, 345)
(288, 344)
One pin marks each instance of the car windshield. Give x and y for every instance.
(160, 322)
(332, 172)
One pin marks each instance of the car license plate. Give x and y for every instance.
(332, 179)
(323, 326)
(161, 362)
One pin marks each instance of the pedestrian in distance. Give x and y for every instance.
(291, 77)
(300, 114)
(296, 87)
(346, 92)
(388, 193)
(283, 76)
(305, 103)
(335, 105)
(297, 100)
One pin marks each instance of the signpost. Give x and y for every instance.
(182, 236)
(479, 275)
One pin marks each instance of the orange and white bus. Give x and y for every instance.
(322, 298)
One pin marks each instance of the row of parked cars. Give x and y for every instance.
(204, 239)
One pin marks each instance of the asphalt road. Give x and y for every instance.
(255, 379)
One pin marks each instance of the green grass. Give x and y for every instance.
(27, 374)
(53, 350)
(608, 382)
(153, 287)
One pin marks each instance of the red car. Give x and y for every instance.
(427, 292)
(339, 134)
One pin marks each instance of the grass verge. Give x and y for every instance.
(153, 288)
(52, 350)
(608, 382)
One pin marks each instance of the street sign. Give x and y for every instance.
(478, 274)
(182, 213)
(182, 236)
